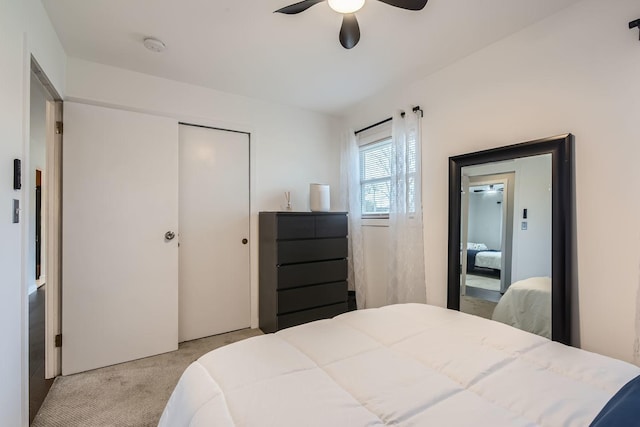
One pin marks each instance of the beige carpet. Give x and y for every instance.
(477, 306)
(483, 282)
(131, 394)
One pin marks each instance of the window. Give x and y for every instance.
(377, 157)
(375, 178)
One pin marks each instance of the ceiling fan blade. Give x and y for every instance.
(350, 31)
(298, 7)
(407, 4)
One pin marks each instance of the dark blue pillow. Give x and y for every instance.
(623, 410)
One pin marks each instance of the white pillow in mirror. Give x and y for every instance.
(477, 246)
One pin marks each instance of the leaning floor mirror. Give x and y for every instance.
(510, 235)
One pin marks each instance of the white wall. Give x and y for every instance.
(532, 247)
(24, 29)
(37, 159)
(576, 71)
(375, 242)
(291, 147)
(485, 219)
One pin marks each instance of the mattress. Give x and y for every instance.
(406, 365)
(527, 305)
(489, 259)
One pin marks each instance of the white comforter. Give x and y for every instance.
(489, 260)
(403, 365)
(527, 305)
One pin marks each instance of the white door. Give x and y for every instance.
(214, 220)
(119, 272)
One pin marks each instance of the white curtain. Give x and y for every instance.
(350, 195)
(406, 251)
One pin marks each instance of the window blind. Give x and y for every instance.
(375, 177)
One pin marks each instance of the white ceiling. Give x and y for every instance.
(241, 47)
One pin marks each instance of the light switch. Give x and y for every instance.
(16, 211)
(524, 225)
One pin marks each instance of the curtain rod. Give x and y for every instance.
(374, 125)
(414, 109)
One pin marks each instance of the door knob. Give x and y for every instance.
(245, 241)
(169, 235)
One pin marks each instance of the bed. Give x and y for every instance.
(409, 364)
(489, 259)
(527, 305)
(481, 259)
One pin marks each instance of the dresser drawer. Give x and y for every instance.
(294, 275)
(331, 226)
(296, 227)
(311, 296)
(293, 319)
(295, 251)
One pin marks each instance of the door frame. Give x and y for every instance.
(53, 190)
(52, 187)
(464, 233)
(508, 180)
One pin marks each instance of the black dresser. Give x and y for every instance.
(303, 267)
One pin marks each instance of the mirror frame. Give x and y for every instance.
(561, 150)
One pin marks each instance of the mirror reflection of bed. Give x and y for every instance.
(505, 250)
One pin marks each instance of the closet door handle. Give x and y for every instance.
(169, 235)
(245, 241)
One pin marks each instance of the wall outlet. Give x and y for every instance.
(524, 225)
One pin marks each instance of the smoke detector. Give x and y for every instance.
(154, 45)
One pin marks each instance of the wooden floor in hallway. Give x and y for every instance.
(38, 385)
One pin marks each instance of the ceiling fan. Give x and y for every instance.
(490, 188)
(350, 30)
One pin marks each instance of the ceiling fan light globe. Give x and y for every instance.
(346, 6)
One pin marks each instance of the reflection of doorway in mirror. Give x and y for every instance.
(524, 251)
(486, 235)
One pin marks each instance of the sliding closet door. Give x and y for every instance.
(214, 232)
(120, 271)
